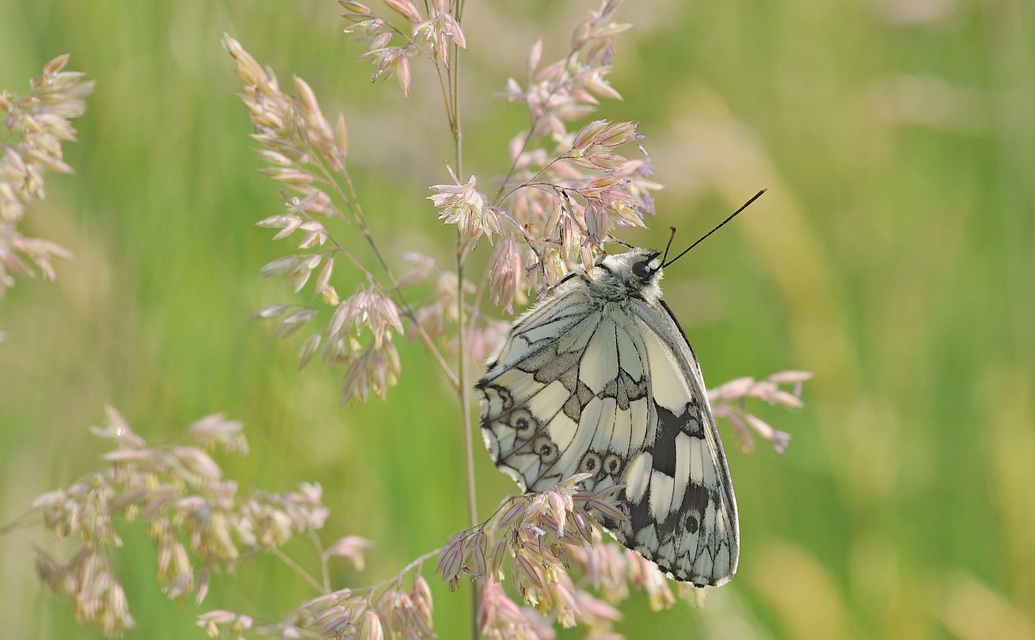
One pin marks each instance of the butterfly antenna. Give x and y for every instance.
(671, 237)
(620, 241)
(716, 228)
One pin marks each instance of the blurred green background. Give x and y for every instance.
(894, 257)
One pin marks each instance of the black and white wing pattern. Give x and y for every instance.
(599, 378)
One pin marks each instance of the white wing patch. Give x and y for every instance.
(600, 360)
(668, 384)
(599, 379)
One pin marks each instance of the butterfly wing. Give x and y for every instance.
(611, 388)
(682, 509)
(536, 402)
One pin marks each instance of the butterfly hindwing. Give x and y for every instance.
(600, 379)
(682, 510)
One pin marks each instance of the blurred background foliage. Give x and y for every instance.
(894, 257)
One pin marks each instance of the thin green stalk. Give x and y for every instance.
(464, 390)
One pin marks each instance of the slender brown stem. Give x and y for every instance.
(465, 407)
(325, 573)
(528, 138)
(294, 566)
(351, 199)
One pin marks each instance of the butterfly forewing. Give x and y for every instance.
(600, 379)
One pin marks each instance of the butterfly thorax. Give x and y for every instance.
(633, 274)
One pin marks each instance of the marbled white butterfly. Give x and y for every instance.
(599, 378)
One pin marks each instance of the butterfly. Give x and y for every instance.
(599, 378)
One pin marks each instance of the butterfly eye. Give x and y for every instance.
(642, 269)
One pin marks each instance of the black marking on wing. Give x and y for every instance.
(580, 396)
(664, 447)
(639, 516)
(671, 425)
(549, 365)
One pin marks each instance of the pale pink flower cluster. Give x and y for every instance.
(507, 279)
(536, 540)
(500, 618)
(88, 580)
(197, 521)
(34, 128)
(462, 205)
(565, 191)
(389, 609)
(306, 156)
(727, 401)
(432, 28)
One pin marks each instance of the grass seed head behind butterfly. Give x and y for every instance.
(599, 378)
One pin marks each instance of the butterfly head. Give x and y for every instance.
(636, 272)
